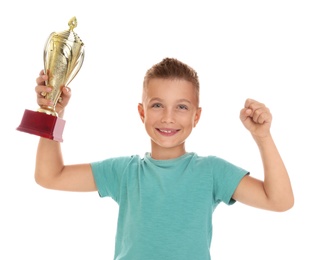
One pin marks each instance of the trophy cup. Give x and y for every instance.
(63, 57)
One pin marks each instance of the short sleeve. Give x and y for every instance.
(226, 177)
(108, 175)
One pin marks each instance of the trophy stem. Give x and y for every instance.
(48, 111)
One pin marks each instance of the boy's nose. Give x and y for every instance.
(168, 116)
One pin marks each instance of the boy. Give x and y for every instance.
(166, 198)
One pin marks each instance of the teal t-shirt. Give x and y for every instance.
(166, 206)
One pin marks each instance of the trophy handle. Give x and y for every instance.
(45, 55)
(77, 67)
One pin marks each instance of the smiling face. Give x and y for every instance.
(169, 111)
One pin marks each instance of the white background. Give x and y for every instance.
(272, 51)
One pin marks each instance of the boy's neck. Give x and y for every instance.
(161, 153)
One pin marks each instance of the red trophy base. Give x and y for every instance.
(41, 124)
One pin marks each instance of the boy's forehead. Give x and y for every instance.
(160, 82)
(169, 87)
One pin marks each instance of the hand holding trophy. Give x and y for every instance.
(63, 57)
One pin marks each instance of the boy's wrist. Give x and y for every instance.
(263, 140)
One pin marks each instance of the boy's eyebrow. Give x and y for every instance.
(155, 99)
(184, 100)
(178, 101)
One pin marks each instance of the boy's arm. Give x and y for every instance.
(50, 171)
(275, 192)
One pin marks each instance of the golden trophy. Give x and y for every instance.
(63, 57)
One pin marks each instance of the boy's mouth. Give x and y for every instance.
(166, 131)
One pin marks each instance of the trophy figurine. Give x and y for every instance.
(63, 57)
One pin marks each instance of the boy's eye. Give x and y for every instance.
(156, 105)
(183, 107)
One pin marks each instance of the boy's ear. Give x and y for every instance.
(141, 112)
(197, 116)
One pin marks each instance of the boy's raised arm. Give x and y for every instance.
(275, 192)
(50, 171)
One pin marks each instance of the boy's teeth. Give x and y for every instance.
(165, 131)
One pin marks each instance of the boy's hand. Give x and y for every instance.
(41, 90)
(257, 118)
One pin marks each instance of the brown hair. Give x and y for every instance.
(171, 68)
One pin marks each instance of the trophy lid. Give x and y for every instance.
(69, 34)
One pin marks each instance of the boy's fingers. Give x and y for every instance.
(66, 90)
(244, 113)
